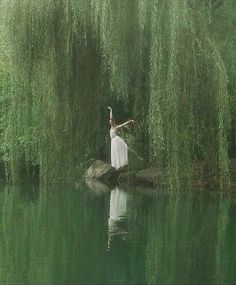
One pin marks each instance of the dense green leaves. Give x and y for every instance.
(163, 62)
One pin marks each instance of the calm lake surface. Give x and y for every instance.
(66, 235)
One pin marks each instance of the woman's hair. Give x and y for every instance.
(112, 121)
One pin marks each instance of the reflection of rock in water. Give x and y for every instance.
(117, 222)
(96, 186)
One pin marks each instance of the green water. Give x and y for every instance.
(63, 235)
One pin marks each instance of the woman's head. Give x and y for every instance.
(112, 122)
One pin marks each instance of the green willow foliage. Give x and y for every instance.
(63, 61)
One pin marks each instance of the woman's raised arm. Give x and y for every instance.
(110, 109)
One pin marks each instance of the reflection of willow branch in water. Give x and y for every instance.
(182, 243)
(222, 260)
(48, 240)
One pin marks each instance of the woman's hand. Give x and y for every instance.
(131, 121)
(109, 108)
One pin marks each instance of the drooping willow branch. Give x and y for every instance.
(63, 60)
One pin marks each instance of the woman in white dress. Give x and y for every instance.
(119, 149)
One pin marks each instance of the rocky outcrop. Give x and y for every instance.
(102, 171)
(147, 176)
(96, 186)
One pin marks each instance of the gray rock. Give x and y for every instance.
(100, 170)
(103, 171)
(96, 186)
(126, 177)
(146, 176)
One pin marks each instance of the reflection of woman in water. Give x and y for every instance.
(119, 149)
(117, 224)
(118, 249)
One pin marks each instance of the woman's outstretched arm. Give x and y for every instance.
(124, 124)
(111, 114)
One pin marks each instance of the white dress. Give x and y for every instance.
(119, 150)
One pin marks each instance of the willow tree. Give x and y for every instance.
(222, 26)
(51, 96)
(189, 101)
(157, 59)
